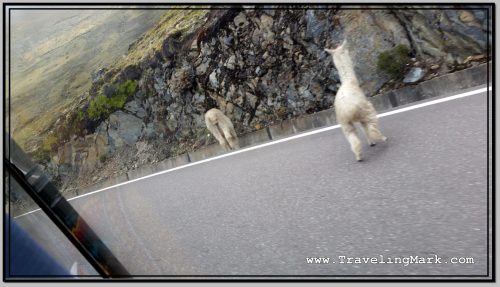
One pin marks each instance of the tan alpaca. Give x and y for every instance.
(351, 104)
(222, 129)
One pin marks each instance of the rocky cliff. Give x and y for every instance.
(259, 65)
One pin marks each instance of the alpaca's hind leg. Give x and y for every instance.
(231, 136)
(233, 140)
(352, 137)
(224, 142)
(372, 131)
(215, 130)
(369, 139)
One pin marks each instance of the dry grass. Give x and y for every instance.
(172, 22)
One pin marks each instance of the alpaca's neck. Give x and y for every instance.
(346, 70)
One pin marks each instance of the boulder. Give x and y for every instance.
(124, 128)
(414, 75)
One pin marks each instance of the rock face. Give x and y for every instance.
(447, 35)
(260, 66)
(82, 155)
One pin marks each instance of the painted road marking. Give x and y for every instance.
(409, 108)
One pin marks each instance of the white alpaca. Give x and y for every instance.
(222, 129)
(351, 104)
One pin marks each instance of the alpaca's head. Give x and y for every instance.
(339, 53)
(343, 63)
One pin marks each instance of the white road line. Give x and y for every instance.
(409, 108)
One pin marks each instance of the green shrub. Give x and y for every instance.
(394, 61)
(127, 88)
(98, 107)
(102, 106)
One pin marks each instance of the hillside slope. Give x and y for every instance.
(52, 55)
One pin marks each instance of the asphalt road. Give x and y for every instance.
(264, 211)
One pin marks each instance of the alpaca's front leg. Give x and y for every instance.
(352, 137)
